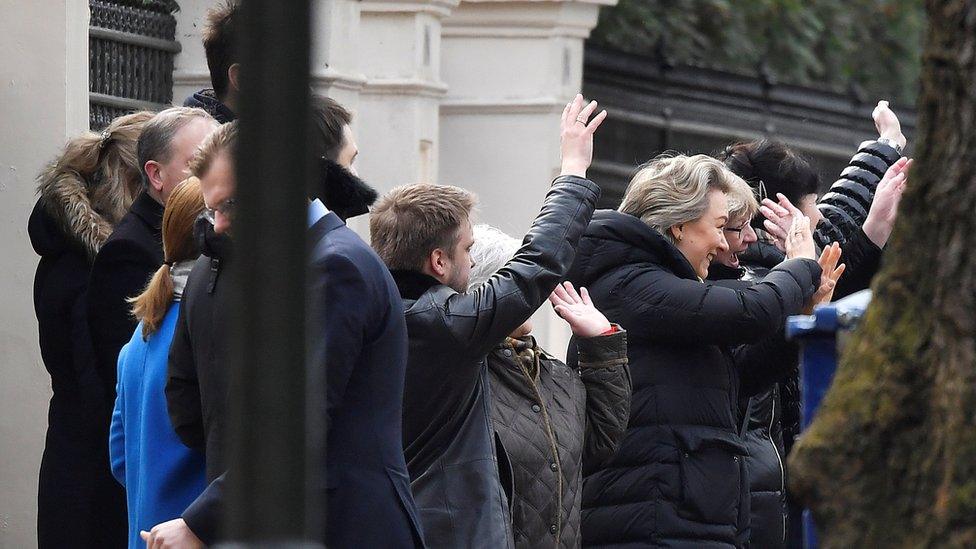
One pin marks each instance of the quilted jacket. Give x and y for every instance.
(552, 421)
(449, 440)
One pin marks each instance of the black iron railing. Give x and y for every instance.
(657, 106)
(131, 46)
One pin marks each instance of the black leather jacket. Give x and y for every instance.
(449, 439)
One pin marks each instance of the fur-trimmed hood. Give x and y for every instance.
(84, 213)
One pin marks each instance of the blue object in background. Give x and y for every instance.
(817, 334)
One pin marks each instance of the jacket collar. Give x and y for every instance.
(207, 100)
(328, 223)
(614, 238)
(149, 211)
(413, 284)
(721, 271)
(342, 192)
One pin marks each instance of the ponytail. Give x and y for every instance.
(151, 305)
(182, 209)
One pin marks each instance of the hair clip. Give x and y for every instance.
(105, 137)
(762, 191)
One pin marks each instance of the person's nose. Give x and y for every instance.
(221, 223)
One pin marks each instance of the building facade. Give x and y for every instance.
(462, 92)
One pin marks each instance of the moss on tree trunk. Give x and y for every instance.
(890, 460)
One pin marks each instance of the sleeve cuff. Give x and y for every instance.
(605, 350)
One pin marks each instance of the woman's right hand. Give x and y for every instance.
(799, 241)
(887, 124)
(831, 272)
(576, 138)
(789, 228)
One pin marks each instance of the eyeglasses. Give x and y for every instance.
(226, 208)
(737, 230)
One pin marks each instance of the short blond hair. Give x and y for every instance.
(742, 201)
(219, 140)
(411, 221)
(671, 190)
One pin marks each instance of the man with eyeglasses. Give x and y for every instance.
(197, 385)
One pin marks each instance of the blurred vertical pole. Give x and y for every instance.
(266, 484)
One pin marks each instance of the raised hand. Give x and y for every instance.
(884, 208)
(828, 280)
(782, 223)
(576, 141)
(887, 124)
(578, 311)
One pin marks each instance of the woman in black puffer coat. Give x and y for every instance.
(678, 478)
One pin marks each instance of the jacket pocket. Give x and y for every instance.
(711, 476)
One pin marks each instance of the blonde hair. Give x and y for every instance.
(671, 190)
(223, 138)
(742, 201)
(409, 222)
(491, 251)
(95, 180)
(182, 209)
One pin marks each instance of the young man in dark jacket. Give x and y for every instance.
(423, 233)
(135, 250)
(219, 43)
(197, 384)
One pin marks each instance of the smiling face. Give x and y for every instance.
(739, 234)
(701, 240)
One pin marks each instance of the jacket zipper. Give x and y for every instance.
(782, 470)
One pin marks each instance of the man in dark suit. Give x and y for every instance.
(134, 251)
(357, 335)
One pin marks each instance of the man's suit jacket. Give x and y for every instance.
(357, 335)
(122, 268)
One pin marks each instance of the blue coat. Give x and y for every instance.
(161, 476)
(357, 338)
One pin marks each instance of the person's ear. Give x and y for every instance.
(437, 265)
(676, 231)
(234, 76)
(154, 172)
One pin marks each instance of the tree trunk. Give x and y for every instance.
(890, 460)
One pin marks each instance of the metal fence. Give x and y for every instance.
(131, 45)
(657, 106)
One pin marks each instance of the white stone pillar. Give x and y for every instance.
(336, 38)
(43, 101)
(510, 67)
(190, 72)
(334, 56)
(397, 119)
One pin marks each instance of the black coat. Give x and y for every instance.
(121, 270)
(196, 385)
(79, 503)
(765, 366)
(196, 388)
(449, 441)
(358, 336)
(677, 479)
(554, 418)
